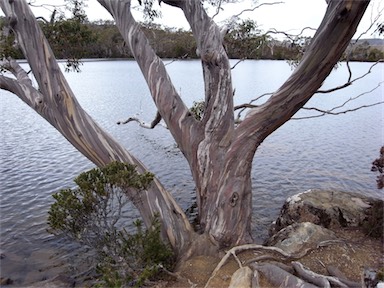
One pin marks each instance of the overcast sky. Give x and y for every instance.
(291, 16)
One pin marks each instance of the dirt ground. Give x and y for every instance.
(350, 256)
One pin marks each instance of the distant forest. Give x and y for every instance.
(72, 39)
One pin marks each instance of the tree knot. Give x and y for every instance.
(12, 21)
(344, 12)
(234, 198)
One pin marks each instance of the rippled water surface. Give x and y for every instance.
(332, 152)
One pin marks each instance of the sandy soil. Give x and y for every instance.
(350, 257)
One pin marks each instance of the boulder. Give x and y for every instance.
(299, 237)
(242, 278)
(329, 209)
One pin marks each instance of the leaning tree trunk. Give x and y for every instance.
(55, 101)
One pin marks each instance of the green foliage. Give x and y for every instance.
(380, 28)
(374, 223)
(76, 7)
(77, 210)
(140, 257)
(69, 39)
(8, 47)
(378, 166)
(91, 215)
(150, 13)
(197, 110)
(245, 41)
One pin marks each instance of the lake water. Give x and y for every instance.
(331, 152)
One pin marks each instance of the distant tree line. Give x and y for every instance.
(76, 38)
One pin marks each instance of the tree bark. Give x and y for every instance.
(55, 101)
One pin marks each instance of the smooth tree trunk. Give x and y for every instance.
(219, 153)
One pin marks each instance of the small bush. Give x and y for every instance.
(374, 223)
(378, 166)
(91, 215)
(134, 258)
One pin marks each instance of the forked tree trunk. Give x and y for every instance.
(220, 155)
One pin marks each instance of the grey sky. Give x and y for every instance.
(291, 16)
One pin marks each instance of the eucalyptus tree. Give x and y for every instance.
(219, 150)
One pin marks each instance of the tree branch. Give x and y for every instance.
(349, 81)
(216, 70)
(24, 91)
(292, 37)
(143, 124)
(13, 67)
(324, 112)
(210, 143)
(169, 104)
(256, 7)
(331, 111)
(373, 22)
(330, 41)
(217, 9)
(249, 105)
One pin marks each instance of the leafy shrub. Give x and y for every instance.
(374, 223)
(378, 166)
(91, 214)
(134, 258)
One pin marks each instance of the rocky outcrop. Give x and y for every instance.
(300, 237)
(316, 220)
(330, 209)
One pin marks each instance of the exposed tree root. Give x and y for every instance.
(280, 277)
(275, 273)
(333, 271)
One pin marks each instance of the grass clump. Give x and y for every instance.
(92, 213)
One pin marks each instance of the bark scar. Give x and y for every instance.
(234, 198)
